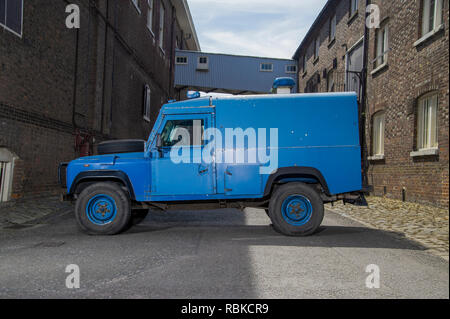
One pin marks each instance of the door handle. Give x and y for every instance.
(202, 169)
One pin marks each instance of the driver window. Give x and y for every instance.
(181, 133)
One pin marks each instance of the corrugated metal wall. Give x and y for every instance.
(230, 72)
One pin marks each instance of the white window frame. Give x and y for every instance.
(331, 85)
(261, 69)
(316, 47)
(333, 23)
(354, 6)
(150, 6)
(136, 5)
(162, 17)
(181, 57)
(382, 46)
(428, 12)
(147, 103)
(21, 22)
(202, 65)
(378, 130)
(290, 66)
(304, 63)
(427, 122)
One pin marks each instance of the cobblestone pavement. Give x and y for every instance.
(22, 212)
(425, 224)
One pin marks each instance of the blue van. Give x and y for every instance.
(287, 154)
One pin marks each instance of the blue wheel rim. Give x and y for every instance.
(296, 210)
(101, 209)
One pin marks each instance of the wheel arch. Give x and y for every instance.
(295, 174)
(87, 178)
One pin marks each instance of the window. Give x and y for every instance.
(431, 16)
(150, 15)
(266, 67)
(382, 46)
(353, 7)
(136, 5)
(378, 134)
(203, 63)
(331, 87)
(147, 103)
(304, 63)
(427, 122)
(162, 14)
(11, 15)
(182, 133)
(291, 69)
(316, 47)
(181, 60)
(332, 28)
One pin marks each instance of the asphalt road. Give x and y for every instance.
(215, 254)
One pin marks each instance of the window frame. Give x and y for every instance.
(316, 47)
(181, 57)
(384, 32)
(5, 26)
(424, 122)
(378, 133)
(354, 6)
(289, 66)
(261, 69)
(330, 76)
(147, 103)
(162, 21)
(437, 12)
(150, 15)
(136, 5)
(333, 18)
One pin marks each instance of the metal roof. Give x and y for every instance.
(230, 73)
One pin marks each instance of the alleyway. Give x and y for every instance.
(215, 254)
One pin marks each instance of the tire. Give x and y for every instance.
(103, 209)
(296, 209)
(121, 146)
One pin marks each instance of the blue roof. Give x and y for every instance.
(290, 82)
(231, 73)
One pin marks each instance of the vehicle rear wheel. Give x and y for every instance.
(103, 209)
(296, 209)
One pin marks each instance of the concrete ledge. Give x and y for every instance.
(376, 158)
(429, 152)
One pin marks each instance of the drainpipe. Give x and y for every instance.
(363, 107)
(104, 68)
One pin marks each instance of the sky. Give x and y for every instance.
(265, 28)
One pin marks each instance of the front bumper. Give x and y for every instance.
(62, 168)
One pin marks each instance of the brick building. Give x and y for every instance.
(400, 71)
(62, 90)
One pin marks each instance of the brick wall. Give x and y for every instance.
(411, 71)
(56, 81)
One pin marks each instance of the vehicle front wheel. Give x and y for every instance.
(296, 209)
(103, 209)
